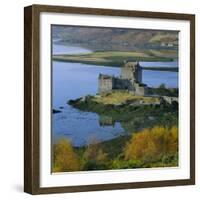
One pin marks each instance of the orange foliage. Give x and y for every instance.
(151, 144)
(65, 159)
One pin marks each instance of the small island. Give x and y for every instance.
(122, 97)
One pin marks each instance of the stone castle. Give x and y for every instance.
(130, 80)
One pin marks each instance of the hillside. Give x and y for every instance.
(115, 39)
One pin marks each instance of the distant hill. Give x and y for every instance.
(115, 39)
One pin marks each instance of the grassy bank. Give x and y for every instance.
(116, 58)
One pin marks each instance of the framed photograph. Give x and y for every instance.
(109, 99)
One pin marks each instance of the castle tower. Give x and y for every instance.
(132, 71)
(105, 83)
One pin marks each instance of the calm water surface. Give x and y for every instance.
(73, 80)
(63, 49)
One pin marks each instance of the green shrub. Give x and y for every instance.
(94, 158)
(126, 164)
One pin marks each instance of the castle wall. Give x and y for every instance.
(139, 75)
(122, 84)
(140, 90)
(126, 73)
(170, 99)
(132, 71)
(105, 83)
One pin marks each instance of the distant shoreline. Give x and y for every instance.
(117, 64)
(116, 59)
